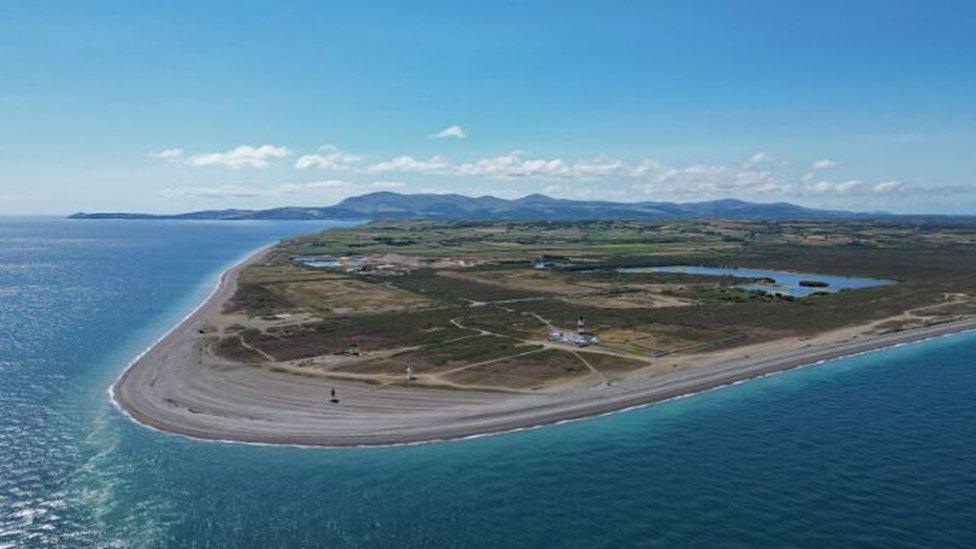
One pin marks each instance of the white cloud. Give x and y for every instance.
(760, 158)
(887, 186)
(455, 132)
(708, 180)
(852, 186)
(823, 164)
(657, 177)
(244, 156)
(645, 167)
(606, 177)
(513, 166)
(330, 159)
(167, 154)
(601, 166)
(409, 164)
(756, 159)
(832, 187)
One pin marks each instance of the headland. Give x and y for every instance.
(563, 324)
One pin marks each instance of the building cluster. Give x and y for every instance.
(581, 338)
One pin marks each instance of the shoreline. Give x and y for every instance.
(169, 387)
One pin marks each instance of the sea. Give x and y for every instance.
(875, 450)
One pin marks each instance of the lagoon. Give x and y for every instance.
(785, 282)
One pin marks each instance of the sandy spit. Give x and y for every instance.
(174, 387)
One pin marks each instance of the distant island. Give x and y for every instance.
(534, 207)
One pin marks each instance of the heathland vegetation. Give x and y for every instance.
(479, 304)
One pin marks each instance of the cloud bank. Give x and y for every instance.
(759, 176)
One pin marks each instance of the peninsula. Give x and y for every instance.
(431, 330)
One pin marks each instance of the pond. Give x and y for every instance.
(773, 282)
(329, 262)
(320, 262)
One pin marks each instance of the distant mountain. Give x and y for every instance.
(534, 207)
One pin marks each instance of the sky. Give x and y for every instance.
(175, 106)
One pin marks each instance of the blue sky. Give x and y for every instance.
(189, 105)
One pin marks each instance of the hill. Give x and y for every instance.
(534, 207)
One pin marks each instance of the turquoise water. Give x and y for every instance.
(786, 282)
(877, 450)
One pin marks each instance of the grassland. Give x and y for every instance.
(470, 305)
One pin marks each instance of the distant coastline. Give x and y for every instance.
(174, 387)
(535, 207)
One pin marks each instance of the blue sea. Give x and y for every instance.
(877, 450)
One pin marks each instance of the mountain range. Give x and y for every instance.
(534, 207)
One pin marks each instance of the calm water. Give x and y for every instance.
(786, 282)
(877, 450)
